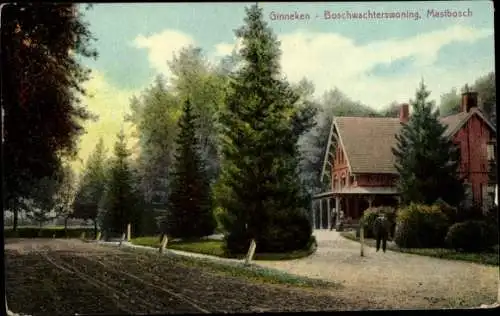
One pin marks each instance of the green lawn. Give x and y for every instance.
(214, 248)
(238, 270)
(487, 258)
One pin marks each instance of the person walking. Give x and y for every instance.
(340, 226)
(381, 230)
(334, 218)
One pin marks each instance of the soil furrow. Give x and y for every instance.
(36, 287)
(135, 291)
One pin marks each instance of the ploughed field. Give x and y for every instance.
(63, 277)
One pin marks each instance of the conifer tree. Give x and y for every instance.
(265, 200)
(121, 201)
(42, 85)
(91, 187)
(426, 159)
(190, 206)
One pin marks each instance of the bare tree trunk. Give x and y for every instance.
(15, 212)
(66, 226)
(40, 230)
(95, 227)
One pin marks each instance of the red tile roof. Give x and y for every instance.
(367, 141)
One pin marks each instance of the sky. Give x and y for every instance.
(373, 60)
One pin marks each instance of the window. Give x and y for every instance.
(468, 195)
(491, 151)
(490, 195)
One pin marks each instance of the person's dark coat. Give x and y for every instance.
(381, 226)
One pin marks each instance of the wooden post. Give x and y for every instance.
(320, 213)
(98, 237)
(122, 239)
(337, 209)
(370, 201)
(6, 308)
(329, 212)
(82, 235)
(313, 209)
(164, 242)
(251, 252)
(129, 232)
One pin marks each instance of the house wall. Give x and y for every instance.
(473, 139)
(340, 172)
(376, 180)
(341, 176)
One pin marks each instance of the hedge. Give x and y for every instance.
(48, 232)
(421, 226)
(472, 236)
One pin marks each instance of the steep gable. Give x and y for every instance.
(368, 141)
(456, 121)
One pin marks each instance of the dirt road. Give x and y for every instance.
(393, 279)
(63, 277)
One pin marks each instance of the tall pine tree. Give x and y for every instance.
(190, 207)
(427, 160)
(42, 77)
(91, 187)
(265, 197)
(121, 201)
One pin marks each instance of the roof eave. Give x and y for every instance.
(327, 152)
(466, 118)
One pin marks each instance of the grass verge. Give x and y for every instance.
(215, 248)
(486, 258)
(238, 270)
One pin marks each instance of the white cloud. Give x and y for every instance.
(331, 60)
(110, 104)
(224, 49)
(162, 47)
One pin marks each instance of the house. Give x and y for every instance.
(361, 164)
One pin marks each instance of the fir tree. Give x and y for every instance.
(190, 207)
(121, 201)
(427, 160)
(91, 187)
(266, 199)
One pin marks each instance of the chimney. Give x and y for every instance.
(469, 101)
(404, 113)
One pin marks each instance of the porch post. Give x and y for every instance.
(337, 209)
(321, 213)
(398, 198)
(313, 215)
(329, 212)
(370, 199)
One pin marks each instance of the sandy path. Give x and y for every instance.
(395, 279)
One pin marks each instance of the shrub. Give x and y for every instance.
(236, 242)
(448, 210)
(421, 226)
(286, 233)
(472, 236)
(369, 216)
(48, 232)
(146, 223)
